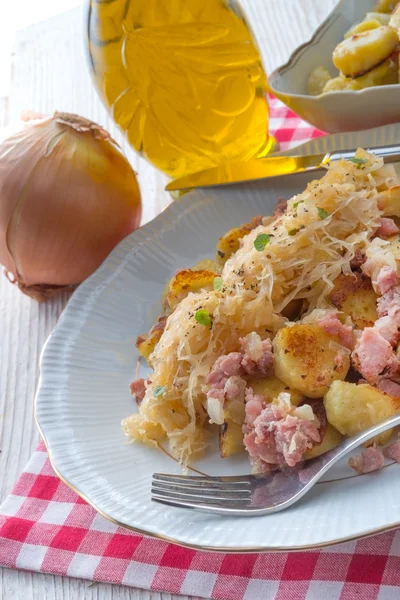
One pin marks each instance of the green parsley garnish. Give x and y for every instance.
(358, 161)
(218, 283)
(203, 317)
(293, 231)
(322, 213)
(261, 241)
(295, 205)
(159, 390)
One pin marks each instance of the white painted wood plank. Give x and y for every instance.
(49, 72)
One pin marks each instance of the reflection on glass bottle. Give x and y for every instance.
(182, 78)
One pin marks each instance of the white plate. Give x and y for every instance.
(336, 111)
(90, 359)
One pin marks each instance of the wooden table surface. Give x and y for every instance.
(49, 72)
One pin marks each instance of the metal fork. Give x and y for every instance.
(251, 495)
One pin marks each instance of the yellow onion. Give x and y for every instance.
(67, 196)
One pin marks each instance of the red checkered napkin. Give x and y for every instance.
(46, 527)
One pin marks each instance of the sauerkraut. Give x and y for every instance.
(308, 247)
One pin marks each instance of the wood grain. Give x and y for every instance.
(49, 72)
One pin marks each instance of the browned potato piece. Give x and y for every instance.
(331, 439)
(389, 201)
(354, 297)
(395, 19)
(317, 80)
(204, 265)
(230, 432)
(306, 359)
(363, 26)
(230, 438)
(360, 53)
(394, 246)
(186, 281)
(208, 264)
(385, 6)
(146, 343)
(229, 243)
(352, 408)
(271, 387)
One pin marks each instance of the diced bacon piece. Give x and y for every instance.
(331, 324)
(389, 387)
(393, 451)
(293, 436)
(387, 228)
(138, 389)
(217, 393)
(254, 406)
(257, 358)
(225, 366)
(389, 327)
(370, 459)
(256, 221)
(374, 356)
(280, 207)
(275, 434)
(386, 279)
(358, 259)
(380, 257)
(389, 300)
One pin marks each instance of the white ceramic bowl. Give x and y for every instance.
(335, 111)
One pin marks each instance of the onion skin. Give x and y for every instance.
(67, 197)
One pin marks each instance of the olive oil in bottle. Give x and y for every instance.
(182, 78)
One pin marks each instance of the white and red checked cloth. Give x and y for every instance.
(46, 527)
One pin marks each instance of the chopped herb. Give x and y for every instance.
(218, 283)
(295, 205)
(358, 161)
(261, 241)
(322, 213)
(293, 231)
(159, 390)
(203, 317)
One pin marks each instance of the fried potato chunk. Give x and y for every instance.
(308, 359)
(354, 296)
(385, 6)
(382, 18)
(395, 19)
(230, 438)
(394, 246)
(317, 80)
(362, 52)
(365, 25)
(330, 440)
(146, 343)
(271, 387)
(229, 243)
(384, 74)
(351, 408)
(186, 281)
(389, 201)
(230, 432)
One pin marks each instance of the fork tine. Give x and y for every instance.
(189, 479)
(200, 492)
(206, 485)
(219, 500)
